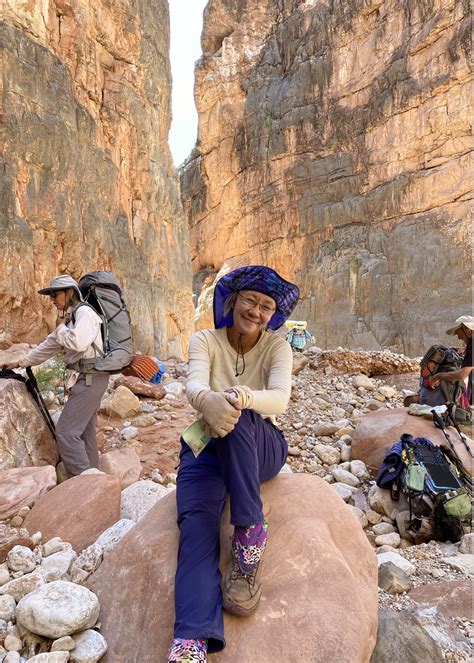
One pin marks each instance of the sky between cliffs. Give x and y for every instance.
(185, 49)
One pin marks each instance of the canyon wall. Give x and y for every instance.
(334, 145)
(87, 178)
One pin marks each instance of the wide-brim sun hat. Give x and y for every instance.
(61, 282)
(260, 279)
(466, 320)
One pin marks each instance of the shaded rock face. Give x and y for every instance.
(402, 639)
(25, 438)
(89, 182)
(309, 579)
(334, 146)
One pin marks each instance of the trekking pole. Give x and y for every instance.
(439, 423)
(33, 388)
(461, 435)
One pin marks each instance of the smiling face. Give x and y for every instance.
(252, 312)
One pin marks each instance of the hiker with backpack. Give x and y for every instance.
(444, 373)
(463, 328)
(298, 336)
(79, 339)
(239, 379)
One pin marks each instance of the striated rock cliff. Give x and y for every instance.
(88, 180)
(334, 145)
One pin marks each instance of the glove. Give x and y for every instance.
(218, 413)
(240, 396)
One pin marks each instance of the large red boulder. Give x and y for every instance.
(140, 388)
(319, 577)
(25, 439)
(377, 431)
(122, 463)
(78, 510)
(23, 486)
(453, 598)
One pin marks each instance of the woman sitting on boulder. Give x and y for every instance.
(239, 379)
(79, 338)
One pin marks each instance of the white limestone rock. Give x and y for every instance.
(138, 498)
(87, 562)
(463, 562)
(327, 454)
(4, 574)
(12, 643)
(383, 528)
(61, 563)
(12, 657)
(322, 429)
(129, 433)
(57, 609)
(21, 558)
(175, 388)
(359, 469)
(344, 476)
(112, 536)
(50, 657)
(20, 587)
(54, 545)
(391, 539)
(342, 490)
(66, 643)
(467, 544)
(90, 647)
(398, 560)
(363, 382)
(7, 607)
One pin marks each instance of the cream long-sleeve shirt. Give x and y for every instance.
(267, 375)
(74, 340)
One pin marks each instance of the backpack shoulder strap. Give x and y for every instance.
(73, 312)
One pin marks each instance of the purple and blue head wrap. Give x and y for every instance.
(261, 279)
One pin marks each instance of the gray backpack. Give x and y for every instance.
(102, 291)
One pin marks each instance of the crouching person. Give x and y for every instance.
(239, 379)
(79, 339)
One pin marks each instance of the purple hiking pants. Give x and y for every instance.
(254, 452)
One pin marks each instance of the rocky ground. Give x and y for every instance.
(429, 583)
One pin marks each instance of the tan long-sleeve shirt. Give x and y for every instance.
(267, 375)
(74, 340)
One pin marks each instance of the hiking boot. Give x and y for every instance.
(242, 587)
(241, 592)
(187, 651)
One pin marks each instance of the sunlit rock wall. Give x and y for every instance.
(334, 145)
(88, 180)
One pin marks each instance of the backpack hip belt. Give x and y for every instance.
(85, 366)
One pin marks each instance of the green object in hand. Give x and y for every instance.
(195, 437)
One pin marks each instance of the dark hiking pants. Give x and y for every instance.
(75, 430)
(252, 453)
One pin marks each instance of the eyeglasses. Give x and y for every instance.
(249, 302)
